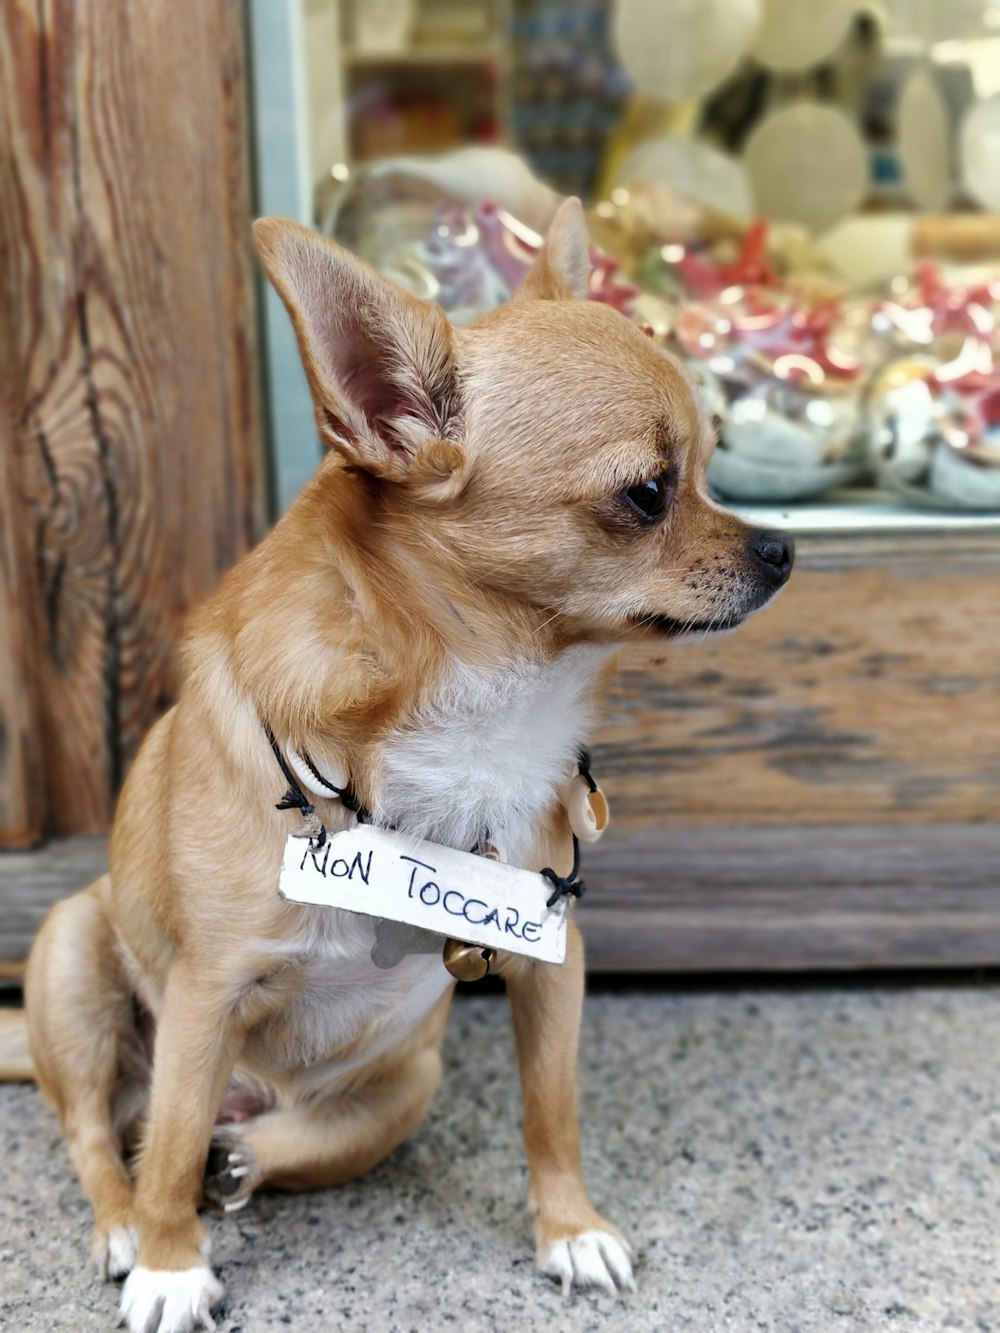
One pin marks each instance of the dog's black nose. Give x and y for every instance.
(773, 553)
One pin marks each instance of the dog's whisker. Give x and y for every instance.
(554, 616)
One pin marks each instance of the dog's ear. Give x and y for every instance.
(562, 269)
(379, 360)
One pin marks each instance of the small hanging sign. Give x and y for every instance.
(460, 895)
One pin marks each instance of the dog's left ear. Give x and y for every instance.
(562, 270)
(379, 361)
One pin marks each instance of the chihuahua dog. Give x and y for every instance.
(428, 626)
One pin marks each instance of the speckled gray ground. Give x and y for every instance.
(795, 1161)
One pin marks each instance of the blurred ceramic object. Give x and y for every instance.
(710, 391)
(608, 286)
(696, 170)
(924, 135)
(783, 441)
(383, 26)
(925, 23)
(807, 164)
(637, 217)
(688, 268)
(928, 313)
(904, 416)
(979, 151)
(509, 243)
(857, 339)
(704, 331)
(795, 34)
(968, 478)
(902, 327)
(468, 283)
(802, 341)
(477, 173)
(733, 477)
(471, 259)
(481, 254)
(393, 201)
(680, 49)
(656, 314)
(931, 443)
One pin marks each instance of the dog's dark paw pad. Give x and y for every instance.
(230, 1173)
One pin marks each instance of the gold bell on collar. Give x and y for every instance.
(467, 962)
(587, 808)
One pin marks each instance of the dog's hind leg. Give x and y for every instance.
(79, 1012)
(317, 1144)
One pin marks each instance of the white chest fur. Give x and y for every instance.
(346, 1002)
(488, 753)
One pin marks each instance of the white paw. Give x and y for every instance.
(589, 1259)
(231, 1172)
(115, 1250)
(157, 1301)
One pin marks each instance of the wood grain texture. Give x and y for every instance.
(31, 881)
(802, 898)
(726, 899)
(15, 1057)
(22, 798)
(125, 265)
(869, 691)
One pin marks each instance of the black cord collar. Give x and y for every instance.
(563, 886)
(296, 799)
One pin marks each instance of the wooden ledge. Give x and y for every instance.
(714, 899)
(793, 898)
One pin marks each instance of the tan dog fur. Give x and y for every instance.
(463, 554)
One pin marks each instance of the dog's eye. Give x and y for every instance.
(651, 499)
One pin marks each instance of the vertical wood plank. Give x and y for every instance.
(126, 265)
(22, 804)
(23, 520)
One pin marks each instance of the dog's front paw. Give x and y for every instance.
(597, 1257)
(114, 1250)
(159, 1301)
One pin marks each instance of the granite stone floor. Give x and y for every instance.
(788, 1160)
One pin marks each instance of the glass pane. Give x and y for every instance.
(797, 199)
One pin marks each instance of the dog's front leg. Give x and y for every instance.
(574, 1243)
(172, 1289)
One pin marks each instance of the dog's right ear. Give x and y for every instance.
(562, 270)
(379, 361)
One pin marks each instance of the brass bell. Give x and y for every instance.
(588, 810)
(467, 962)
